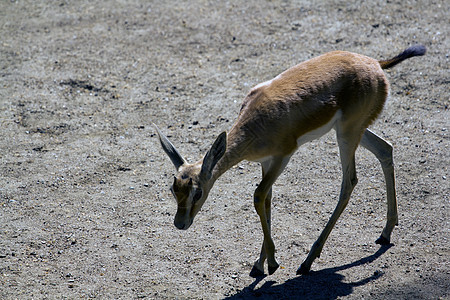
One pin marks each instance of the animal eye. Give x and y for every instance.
(198, 194)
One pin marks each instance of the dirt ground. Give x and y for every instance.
(85, 207)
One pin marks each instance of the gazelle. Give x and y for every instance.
(340, 90)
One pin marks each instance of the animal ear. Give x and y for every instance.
(174, 185)
(173, 154)
(214, 155)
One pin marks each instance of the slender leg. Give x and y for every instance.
(347, 146)
(262, 202)
(258, 268)
(383, 151)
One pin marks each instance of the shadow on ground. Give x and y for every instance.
(323, 284)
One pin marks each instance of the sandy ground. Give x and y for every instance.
(85, 209)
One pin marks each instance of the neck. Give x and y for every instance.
(233, 155)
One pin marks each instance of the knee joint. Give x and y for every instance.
(386, 159)
(354, 181)
(258, 201)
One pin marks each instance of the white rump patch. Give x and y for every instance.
(265, 83)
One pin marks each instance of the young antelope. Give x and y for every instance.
(340, 90)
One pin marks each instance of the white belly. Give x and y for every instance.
(318, 132)
(310, 136)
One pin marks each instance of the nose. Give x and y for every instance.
(182, 225)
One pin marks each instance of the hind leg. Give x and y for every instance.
(348, 142)
(383, 152)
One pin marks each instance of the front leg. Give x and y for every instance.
(268, 247)
(262, 200)
(258, 267)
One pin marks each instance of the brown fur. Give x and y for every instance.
(340, 90)
(305, 97)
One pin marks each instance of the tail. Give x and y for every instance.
(417, 50)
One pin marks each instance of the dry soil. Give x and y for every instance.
(85, 209)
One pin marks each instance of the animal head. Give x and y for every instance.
(192, 182)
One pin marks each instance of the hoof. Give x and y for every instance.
(272, 269)
(303, 270)
(382, 241)
(255, 272)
